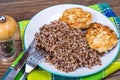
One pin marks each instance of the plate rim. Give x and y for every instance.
(80, 74)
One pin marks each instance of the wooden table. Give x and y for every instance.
(25, 9)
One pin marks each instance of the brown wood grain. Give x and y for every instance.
(25, 9)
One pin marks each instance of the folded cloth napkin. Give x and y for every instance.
(39, 74)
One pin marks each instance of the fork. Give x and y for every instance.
(32, 62)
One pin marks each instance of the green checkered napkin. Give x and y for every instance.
(39, 74)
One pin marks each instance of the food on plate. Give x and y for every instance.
(67, 47)
(76, 18)
(101, 37)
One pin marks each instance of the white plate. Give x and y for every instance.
(52, 13)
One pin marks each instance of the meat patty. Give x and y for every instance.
(76, 18)
(101, 37)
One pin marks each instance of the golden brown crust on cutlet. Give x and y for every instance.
(76, 18)
(101, 37)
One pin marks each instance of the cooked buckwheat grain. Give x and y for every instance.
(67, 47)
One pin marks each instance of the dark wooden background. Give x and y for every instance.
(25, 9)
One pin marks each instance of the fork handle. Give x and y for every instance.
(24, 76)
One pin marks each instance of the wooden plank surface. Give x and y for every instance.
(25, 9)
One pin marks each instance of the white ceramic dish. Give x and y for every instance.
(52, 13)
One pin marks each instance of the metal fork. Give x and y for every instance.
(32, 62)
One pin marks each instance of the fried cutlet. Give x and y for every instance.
(76, 18)
(101, 37)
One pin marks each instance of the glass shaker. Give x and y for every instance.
(8, 27)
